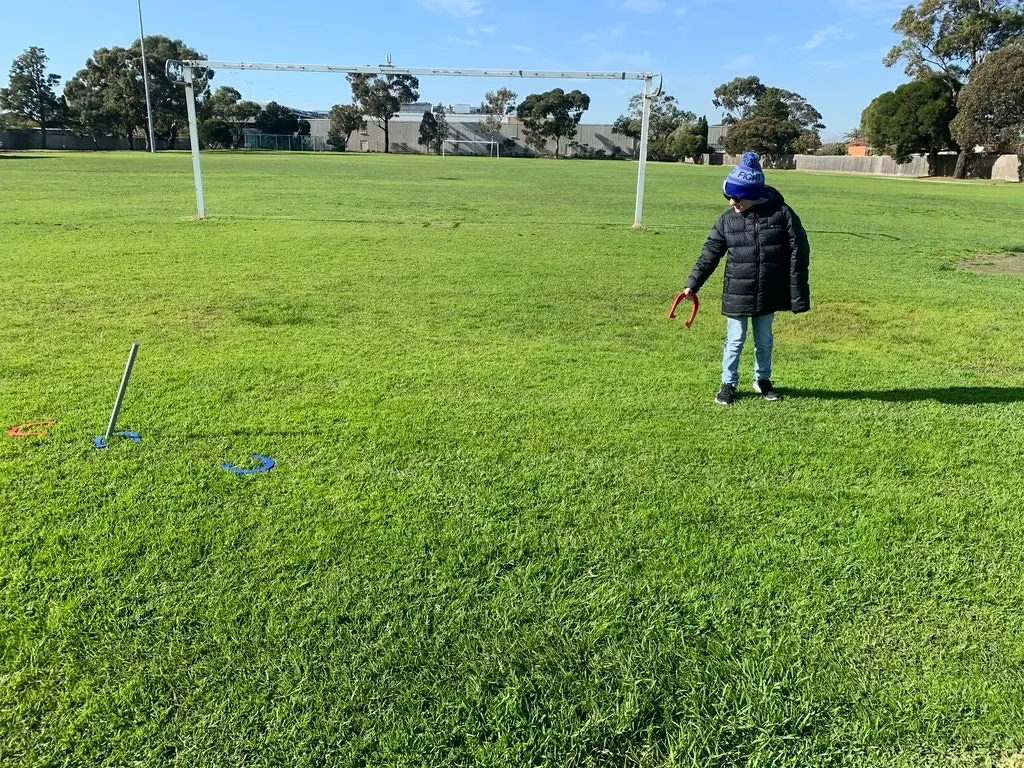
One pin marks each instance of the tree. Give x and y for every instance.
(433, 130)
(666, 116)
(216, 133)
(277, 120)
(30, 93)
(952, 37)
(913, 118)
(992, 105)
(553, 114)
(738, 97)
(304, 128)
(381, 96)
(689, 140)
(108, 96)
(768, 136)
(227, 105)
(345, 118)
(496, 104)
(778, 122)
(170, 111)
(806, 143)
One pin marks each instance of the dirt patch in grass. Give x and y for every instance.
(995, 264)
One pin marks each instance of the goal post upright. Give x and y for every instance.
(193, 127)
(184, 72)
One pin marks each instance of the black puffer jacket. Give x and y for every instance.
(766, 269)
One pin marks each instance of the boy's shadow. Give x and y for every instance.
(948, 395)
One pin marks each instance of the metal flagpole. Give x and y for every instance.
(145, 81)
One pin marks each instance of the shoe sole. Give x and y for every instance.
(769, 398)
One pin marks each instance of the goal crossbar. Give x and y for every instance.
(184, 71)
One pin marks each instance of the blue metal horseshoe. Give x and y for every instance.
(101, 440)
(266, 465)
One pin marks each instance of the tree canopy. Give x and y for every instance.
(496, 104)
(344, 118)
(776, 122)
(689, 140)
(666, 117)
(992, 105)
(949, 38)
(738, 97)
(277, 120)
(433, 130)
(227, 106)
(30, 93)
(913, 118)
(382, 96)
(553, 114)
(108, 96)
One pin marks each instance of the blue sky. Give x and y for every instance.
(829, 51)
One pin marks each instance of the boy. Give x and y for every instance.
(765, 271)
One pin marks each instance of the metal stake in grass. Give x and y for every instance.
(121, 391)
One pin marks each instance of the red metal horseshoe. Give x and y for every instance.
(693, 312)
(17, 431)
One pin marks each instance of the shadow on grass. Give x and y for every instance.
(24, 157)
(861, 235)
(950, 395)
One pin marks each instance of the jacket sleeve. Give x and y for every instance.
(714, 248)
(799, 264)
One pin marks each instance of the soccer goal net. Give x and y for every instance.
(470, 147)
(184, 72)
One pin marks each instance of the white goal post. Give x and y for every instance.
(492, 146)
(184, 72)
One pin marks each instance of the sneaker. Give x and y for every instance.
(726, 394)
(766, 390)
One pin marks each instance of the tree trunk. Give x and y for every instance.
(960, 171)
(387, 140)
(42, 134)
(933, 162)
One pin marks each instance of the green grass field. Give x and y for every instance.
(507, 526)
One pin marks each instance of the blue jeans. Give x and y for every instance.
(735, 335)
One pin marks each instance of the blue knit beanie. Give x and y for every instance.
(746, 181)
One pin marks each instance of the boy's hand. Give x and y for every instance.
(687, 293)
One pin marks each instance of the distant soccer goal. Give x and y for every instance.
(185, 72)
(475, 147)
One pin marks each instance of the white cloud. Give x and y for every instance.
(819, 36)
(520, 48)
(740, 63)
(602, 35)
(463, 41)
(828, 64)
(460, 8)
(619, 60)
(881, 11)
(643, 6)
(483, 30)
